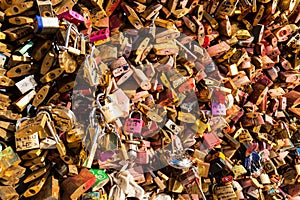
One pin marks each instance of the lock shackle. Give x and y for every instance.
(71, 27)
(19, 121)
(46, 113)
(173, 144)
(111, 129)
(3, 144)
(204, 118)
(92, 117)
(68, 111)
(94, 63)
(135, 111)
(99, 96)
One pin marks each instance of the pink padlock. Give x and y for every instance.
(134, 125)
(101, 34)
(71, 16)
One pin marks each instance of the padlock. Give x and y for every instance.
(19, 70)
(134, 125)
(203, 169)
(192, 182)
(71, 16)
(224, 192)
(58, 142)
(35, 187)
(51, 190)
(66, 61)
(36, 174)
(22, 102)
(109, 143)
(158, 181)
(45, 8)
(141, 78)
(101, 36)
(111, 7)
(75, 186)
(132, 16)
(175, 186)
(40, 49)
(238, 170)
(211, 139)
(28, 141)
(102, 179)
(8, 192)
(46, 25)
(40, 95)
(119, 67)
(110, 110)
(52, 75)
(26, 84)
(18, 9)
(142, 156)
(13, 174)
(174, 128)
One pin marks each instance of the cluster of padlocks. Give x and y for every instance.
(149, 100)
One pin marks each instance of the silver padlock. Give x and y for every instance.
(110, 109)
(174, 128)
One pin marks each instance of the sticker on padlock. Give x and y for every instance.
(174, 128)
(134, 125)
(120, 67)
(218, 109)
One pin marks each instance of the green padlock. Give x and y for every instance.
(101, 178)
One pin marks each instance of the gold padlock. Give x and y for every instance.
(36, 186)
(50, 189)
(8, 192)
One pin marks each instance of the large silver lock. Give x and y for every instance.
(110, 109)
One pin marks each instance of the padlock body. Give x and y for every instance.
(133, 125)
(111, 112)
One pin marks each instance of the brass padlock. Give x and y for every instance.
(45, 8)
(8, 193)
(36, 174)
(50, 190)
(224, 192)
(35, 187)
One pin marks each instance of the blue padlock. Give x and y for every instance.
(46, 25)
